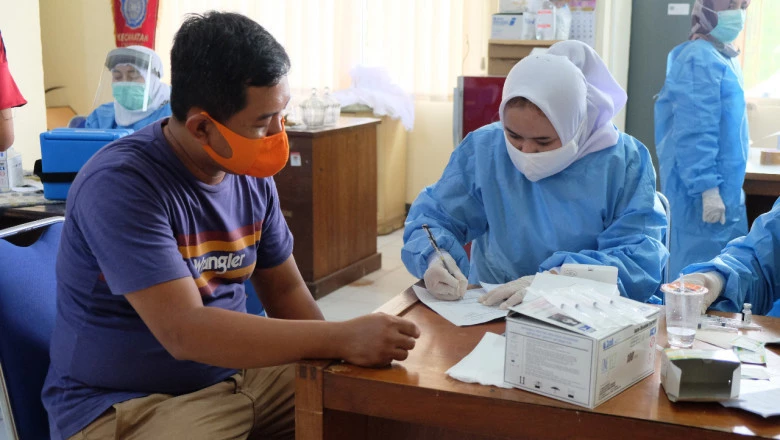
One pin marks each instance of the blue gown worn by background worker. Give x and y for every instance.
(701, 138)
(751, 267)
(600, 210)
(104, 117)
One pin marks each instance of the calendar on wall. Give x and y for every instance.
(583, 21)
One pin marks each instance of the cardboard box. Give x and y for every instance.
(700, 375)
(507, 27)
(11, 172)
(573, 367)
(512, 6)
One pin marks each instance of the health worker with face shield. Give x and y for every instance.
(139, 97)
(701, 134)
(553, 182)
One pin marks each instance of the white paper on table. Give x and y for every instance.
(717, 338)
(548, 282)
(485, 364)
(757, 396)
(748, 344)
(465, 311)
(488, 287)
(755, 372)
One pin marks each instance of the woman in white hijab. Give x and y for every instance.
(553, 182)
(140, 98)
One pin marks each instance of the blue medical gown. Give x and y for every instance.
(701, 136)
(751, 268)
(103, 117)
(600, 210)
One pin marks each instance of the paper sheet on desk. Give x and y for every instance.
(758, 396)
(485, 364)
(466, 311)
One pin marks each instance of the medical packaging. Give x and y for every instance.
(64, 151)
(507, 27)
(700, 375)
(512, 6)
(11, 173)
(578, 341)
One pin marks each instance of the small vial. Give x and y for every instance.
(747, 314)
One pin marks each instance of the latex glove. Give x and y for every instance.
(713, 281)
(440, 283)
(713, 209)
(511, 293)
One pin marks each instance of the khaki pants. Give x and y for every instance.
(256, 403)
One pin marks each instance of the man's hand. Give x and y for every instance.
(377, 339)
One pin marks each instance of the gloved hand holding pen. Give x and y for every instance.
(443, 278)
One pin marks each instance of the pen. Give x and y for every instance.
(436, 248)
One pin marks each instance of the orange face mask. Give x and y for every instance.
(262, 157)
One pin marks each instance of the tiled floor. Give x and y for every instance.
(366, 294)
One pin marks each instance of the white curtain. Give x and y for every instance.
(419, 42)
(760, 43)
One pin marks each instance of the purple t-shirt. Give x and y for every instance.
(136, 217)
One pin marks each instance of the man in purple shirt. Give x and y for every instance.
(152, 338)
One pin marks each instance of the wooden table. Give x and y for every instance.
(415, 399)
(761, 180)
(16, 216)
(761, 186)
(327, 194)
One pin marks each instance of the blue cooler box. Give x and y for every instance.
(65, 150)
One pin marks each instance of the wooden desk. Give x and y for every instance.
(761, 186)
(328, 195)
(761, 180)
(16, 216)
(415, 399)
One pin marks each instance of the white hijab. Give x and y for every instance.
(159, 93)
(572, 86)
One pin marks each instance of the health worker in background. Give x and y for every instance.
(10, 97)
(553, 182)
(746, 271)
(701, 135)
(140, 98)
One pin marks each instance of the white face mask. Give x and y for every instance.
(537, 166)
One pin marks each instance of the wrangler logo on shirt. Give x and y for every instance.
(218, 257)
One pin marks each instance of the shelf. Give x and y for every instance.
(534, 43)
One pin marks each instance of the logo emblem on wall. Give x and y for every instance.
(134, 12)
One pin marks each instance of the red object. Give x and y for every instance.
(481, 98)
(10, 96)
(135, 22)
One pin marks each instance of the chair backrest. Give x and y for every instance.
(668, 238)
(28, 295)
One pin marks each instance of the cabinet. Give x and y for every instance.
(504, 54)
(391, 169)
(328, 195)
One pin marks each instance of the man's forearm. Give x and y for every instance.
(236, 340)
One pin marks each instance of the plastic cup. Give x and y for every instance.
(683, 309)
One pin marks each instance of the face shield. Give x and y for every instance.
(125, 80)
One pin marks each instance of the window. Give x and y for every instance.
(420, 42)
(761, 53)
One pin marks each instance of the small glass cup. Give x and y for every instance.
(313, 111)
(683, 309)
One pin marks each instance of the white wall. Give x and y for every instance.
(763, 122)
(76, 37)
(21, 28)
